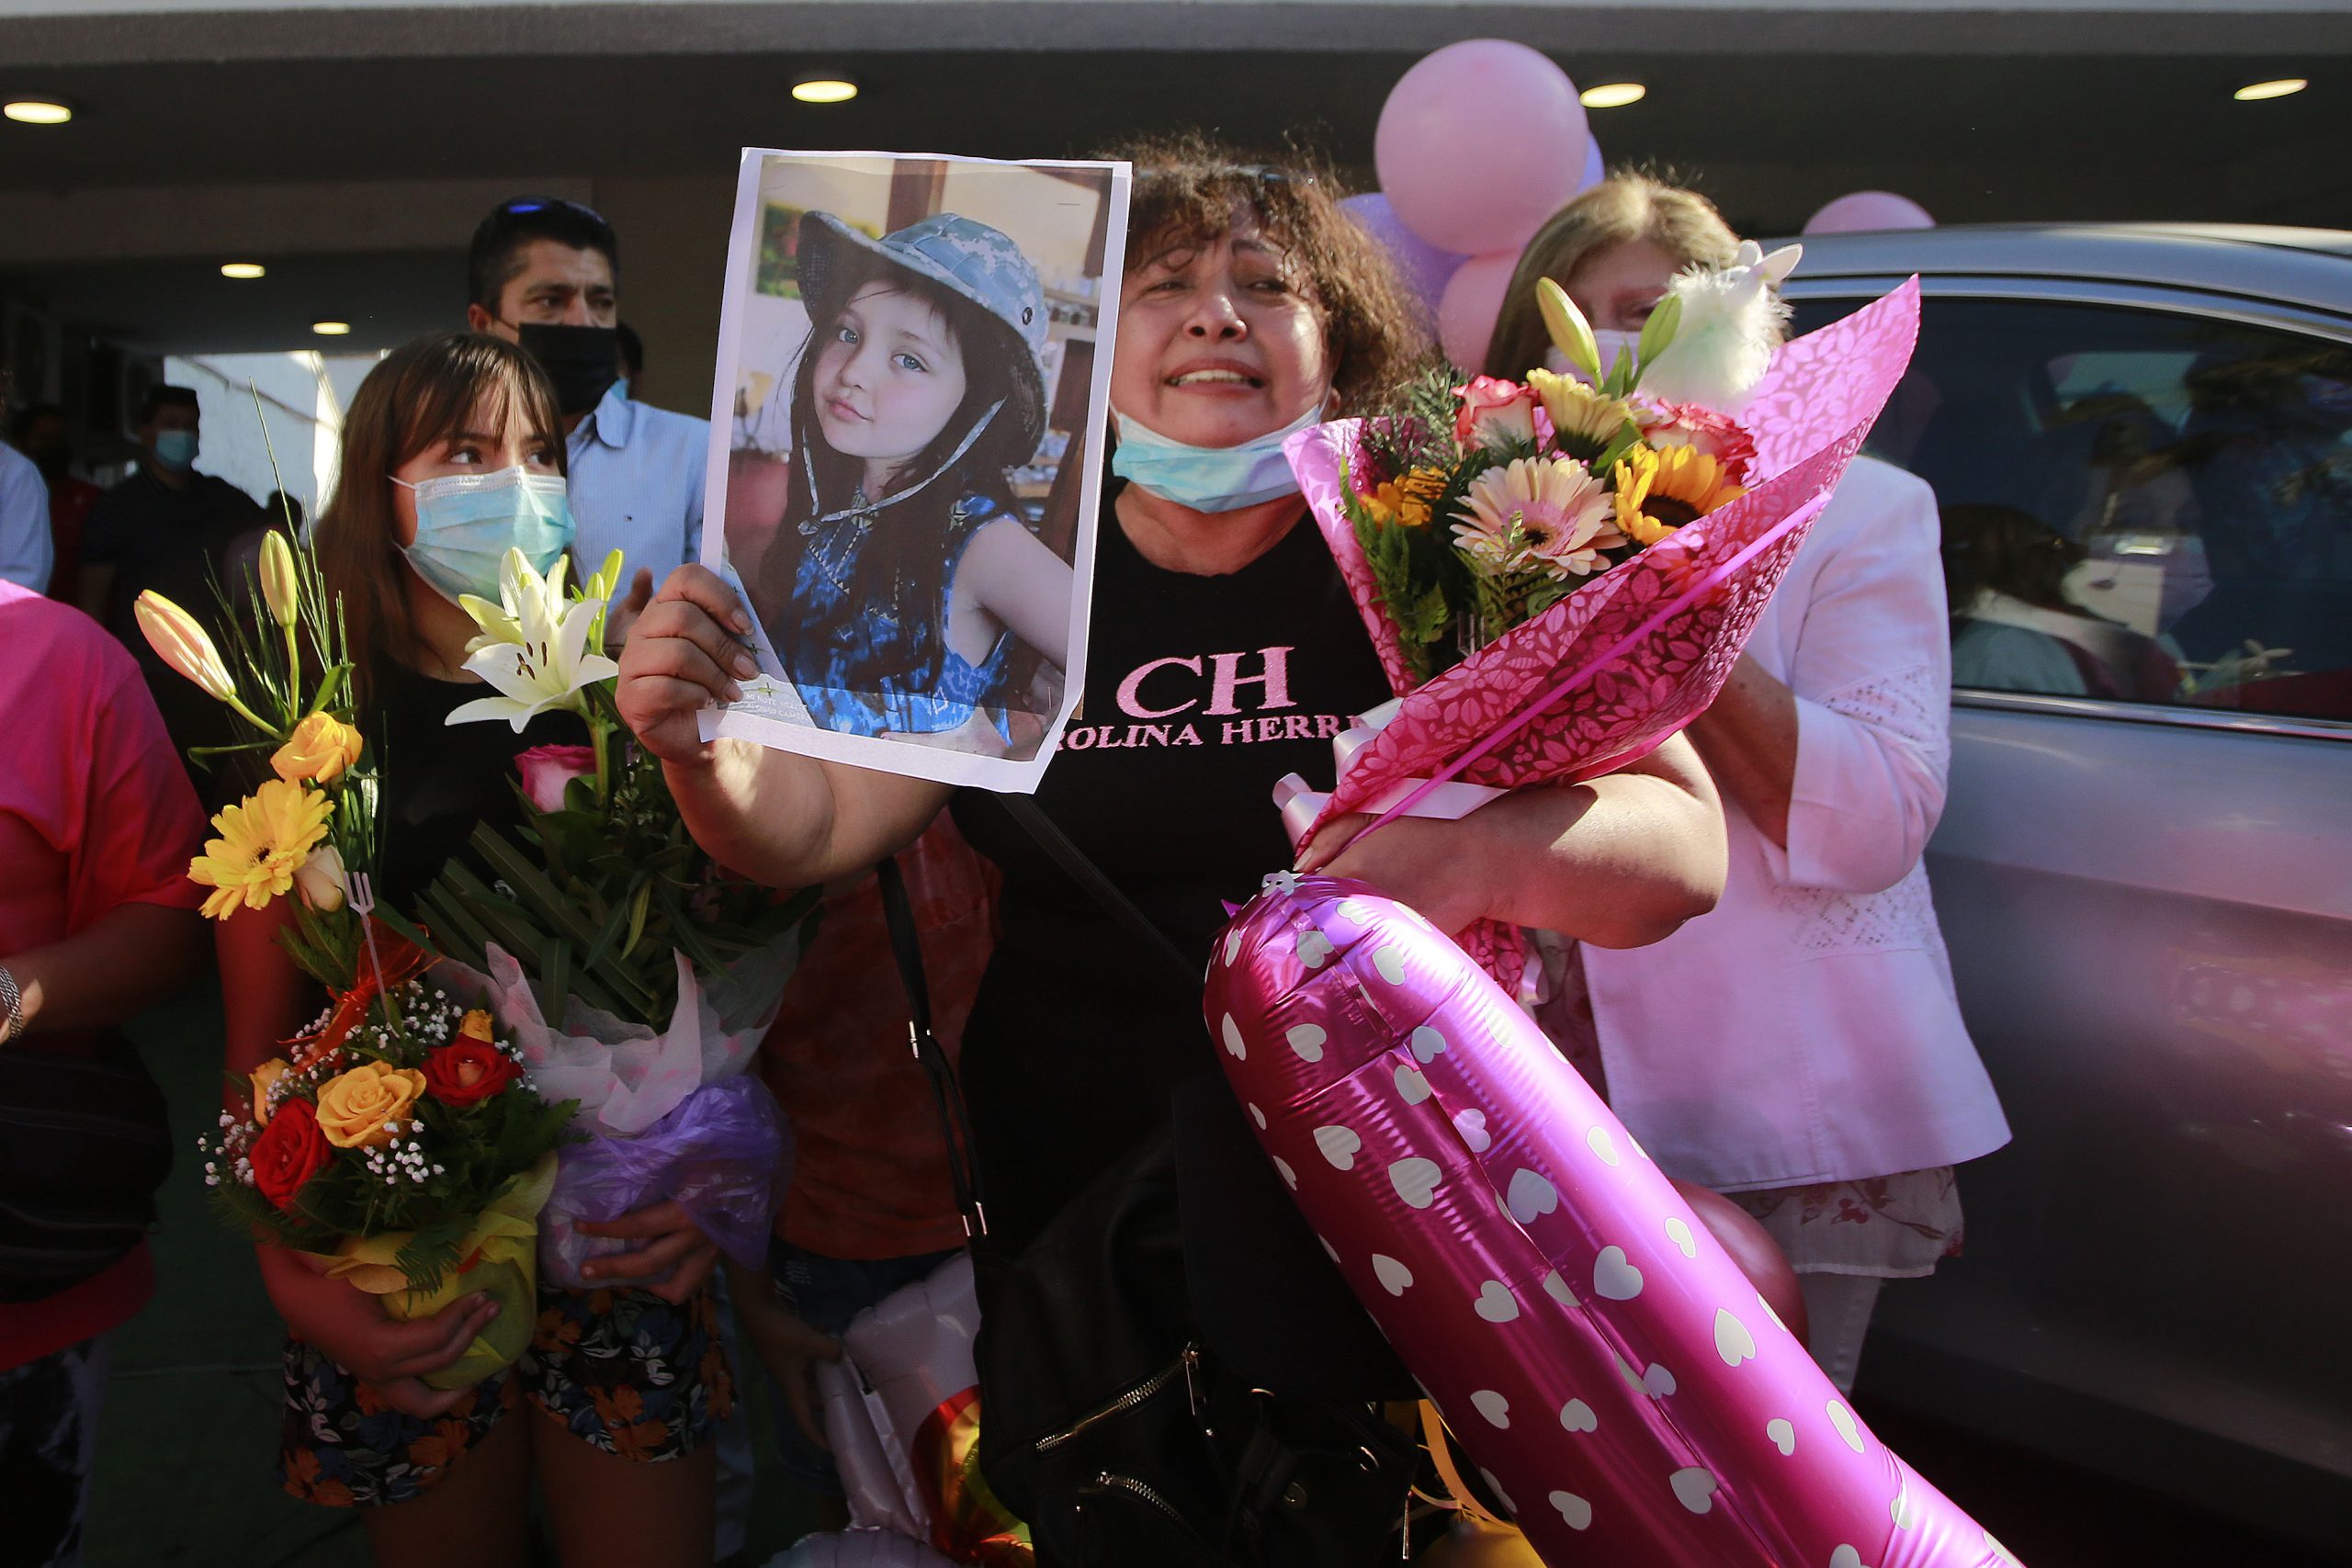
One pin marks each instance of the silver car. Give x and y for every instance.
(2139, 436)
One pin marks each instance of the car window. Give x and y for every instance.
(2139, 506)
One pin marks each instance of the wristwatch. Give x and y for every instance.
(12, 1006)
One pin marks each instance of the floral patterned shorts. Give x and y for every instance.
(623, 1370)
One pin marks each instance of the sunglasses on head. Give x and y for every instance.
(524, 206)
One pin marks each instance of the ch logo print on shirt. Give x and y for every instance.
(1224, 699)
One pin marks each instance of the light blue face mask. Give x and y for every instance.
(175, 449)
(467, 523)
(1209, 478)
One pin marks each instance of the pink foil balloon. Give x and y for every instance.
(1472, 303)
(1478, 143)
(1616, 1377)
(1865, 210)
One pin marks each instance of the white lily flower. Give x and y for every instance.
(1731, 323)
(502, 622)
(545, 664)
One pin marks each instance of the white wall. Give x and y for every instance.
(302, 397)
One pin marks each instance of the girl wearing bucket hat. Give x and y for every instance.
(903, 573)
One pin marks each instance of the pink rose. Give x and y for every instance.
(1494, 413)
(547, 769)
(1688, 424)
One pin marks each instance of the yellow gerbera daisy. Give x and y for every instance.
(1583, 422)
(1537, 511)
(262, 843)
(1660, 490)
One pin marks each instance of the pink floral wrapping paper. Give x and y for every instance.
(1808, 417)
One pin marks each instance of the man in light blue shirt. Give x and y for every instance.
(27, 554)
(542, 272)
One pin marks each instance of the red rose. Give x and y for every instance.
(1494, 413)
(290, 1151)
(466, 1071)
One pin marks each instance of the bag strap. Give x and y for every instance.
(1100, 888)
(906, 947)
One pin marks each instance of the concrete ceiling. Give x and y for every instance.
(356, 179)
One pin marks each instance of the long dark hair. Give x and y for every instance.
(904, 564)
(422, 393)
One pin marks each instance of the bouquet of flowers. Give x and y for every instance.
(1559, 572)
(399, 1144)
(639, 976)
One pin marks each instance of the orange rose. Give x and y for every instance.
(321, 748)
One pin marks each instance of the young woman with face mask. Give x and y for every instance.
(1223, 652)
(452, 454)
(1840, 1087)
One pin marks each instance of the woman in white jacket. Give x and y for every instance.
(1801, 1047)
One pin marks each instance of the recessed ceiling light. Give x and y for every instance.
(1612, 95)
(824, 89)
(243, 269)
(2255, 92)
(331, 329)
(37, 111)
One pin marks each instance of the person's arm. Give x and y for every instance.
(1620, 862)
(96, 582)
(790, 1347)
(1748, 737)
(1024, 585)
(111, 970)
(27, 554)
(1842, 767)
(773, 817)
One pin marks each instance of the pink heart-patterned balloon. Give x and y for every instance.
(1616, 1377)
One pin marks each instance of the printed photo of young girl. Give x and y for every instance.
(886, 513)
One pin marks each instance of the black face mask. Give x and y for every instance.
(583, 361)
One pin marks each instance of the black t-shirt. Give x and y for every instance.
(173, 541)
(441, 779)
(1201, 694)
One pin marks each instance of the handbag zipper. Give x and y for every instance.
(1120, 1404)
(1105, 1481)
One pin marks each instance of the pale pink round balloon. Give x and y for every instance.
(1479, 143)
(1472, 303)
(1865, 210)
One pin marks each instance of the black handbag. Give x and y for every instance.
(1111, 1423)
(85, 1143)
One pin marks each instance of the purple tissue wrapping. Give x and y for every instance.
(724, 1153)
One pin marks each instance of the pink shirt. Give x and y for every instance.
(95, 813)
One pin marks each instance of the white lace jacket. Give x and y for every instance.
(1806, 1029)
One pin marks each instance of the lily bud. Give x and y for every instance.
(181, 642)
(1571, 333)
(280, 587)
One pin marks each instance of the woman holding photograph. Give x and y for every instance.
(1251, 304)
(452, 454)
(903, 573)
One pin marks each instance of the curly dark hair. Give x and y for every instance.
(1191, 190)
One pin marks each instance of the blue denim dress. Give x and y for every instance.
(832, 673)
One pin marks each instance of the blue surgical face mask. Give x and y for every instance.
(1208, 479)
(1609, 341)
(467, 523)
(175, 449)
